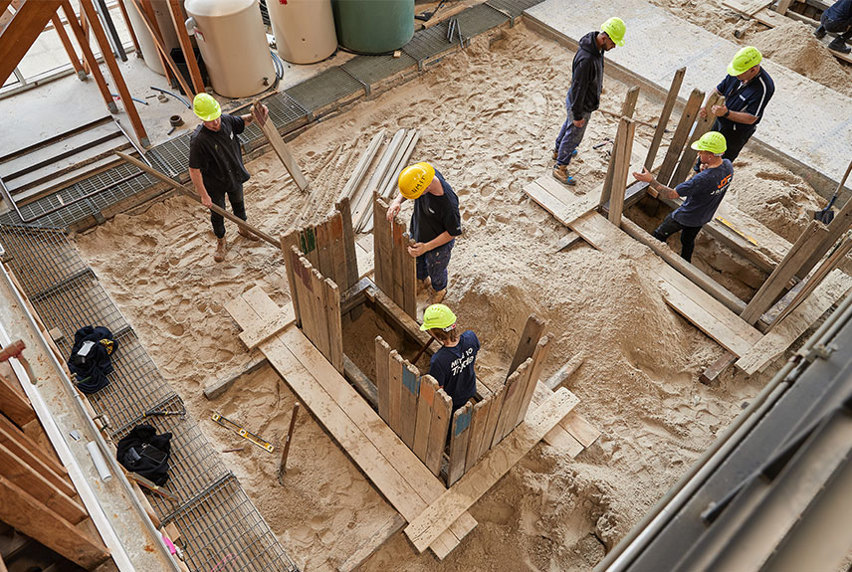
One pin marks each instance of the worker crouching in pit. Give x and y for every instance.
(452, 365)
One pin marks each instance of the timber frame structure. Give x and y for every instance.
(395, 427)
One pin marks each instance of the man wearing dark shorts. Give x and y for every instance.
(747, 89)
(216, 163)
(703, 193)
(435, 223)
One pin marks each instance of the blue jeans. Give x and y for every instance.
(570, 135)
(434, 264)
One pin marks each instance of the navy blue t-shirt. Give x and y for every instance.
(218, 156)
(452, 368)
(749, 98)
(433, 215)
(703, 194)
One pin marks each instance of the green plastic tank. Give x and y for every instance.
(373, 26)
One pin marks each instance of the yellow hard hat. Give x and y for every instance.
(205, 107)
(615, 29)
(414, 179)
(712, 141)
(438, 316)
(744, 60)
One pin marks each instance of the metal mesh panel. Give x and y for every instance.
(324, 89)
(372, 69)
(41, 258)
(426, 44)
(229, 520)
(478, 19)
(514, 7)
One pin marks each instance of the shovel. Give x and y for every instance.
(826, 215)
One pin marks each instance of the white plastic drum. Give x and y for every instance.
(232, 42)
(304, 29)
(150, 55)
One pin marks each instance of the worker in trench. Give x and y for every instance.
(747, 90)
(216, 163)
(435, 224)
(452, 365)
(703, 193)
(584, 95)
(837, 19)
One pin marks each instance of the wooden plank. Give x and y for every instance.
(398, 250)
(627, 108)
(783, 6)
(478, 420)
(566, 371)
(533, 330)
(423, 422)
(716, 369)
(665, 114)
(566, 241)
(441, 513)
(32, 454)
(335, 324)
(410, 391)
(39, 486)
(319, 297)
(271, 131)
(361, 167)
(736, 338)
(362, 384)
(563, 441)
(395, 395)
(325, 261)
(776, 342)
(25, 513)
(219, 387)
(681, 134)
(579, 428)
(288, 242)
(772, 288)
(497, 398)
(373, 182)
(382, 303)
(441, 416)
(532, 380)
(14, 403)
(377, 539)
(621, 171)
(514, 389)
(457, 531)
(382, 248)
(548, 202)
(350, 252)
(280, 320)
(302, 294)
(459, 439)
(383, 378)
(702, 126)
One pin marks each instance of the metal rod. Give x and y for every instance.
(282, 468)
(194, 196)
(422, 351)
(103, 12)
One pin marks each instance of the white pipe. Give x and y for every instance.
(100, 463)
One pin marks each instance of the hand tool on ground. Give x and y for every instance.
(164, 413)
(605, 142)
(731, 226)
(242, 432)
(451, 29)
(282, 468)
(426, 16)
(220, 211)
(826, 215)
(422, 351)
(234, 450)
(148, 485)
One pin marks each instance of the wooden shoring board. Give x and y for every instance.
(382, 248)
(782, 336)
(496, 463)
(533, 330)
(627, 108)
(725, 327)
(350, 252)
(459, 440)
(540, 354)
(284, 154)
(289, 243)
(681, 134)
(665, 115)
(403, 480)
(442, 409)
(497, 398)
(395, 366)
(398, 247)
(478, 420)
(511, 394)
(423, 422)
(702, 126)
(334, 321)
(410, 392)
(621, 170)
(383, 378)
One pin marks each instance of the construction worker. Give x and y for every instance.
(435, 224)
(747, 89)
(585, 92)
(452, 365)
(837, 19)
(703, 192)
(216, 163)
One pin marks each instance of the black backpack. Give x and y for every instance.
(145, 453)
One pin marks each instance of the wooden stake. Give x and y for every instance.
(621, 162)
(671, 99)
(66, 43)
(681, 134)
(281, 149)
(702, 126)
(533, 330)
(174, 184)
(282, 468)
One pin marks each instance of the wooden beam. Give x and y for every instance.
(194, 196)
(219, 387)
(809, 241)
(665, 114)
(22, 31)
(542, 350)
(118, 79)
(627, 108)
(129, 27)
(89, 63)
(362, 384)
(9, 433)
(702, 126)
(681, 134)
(283, 152)
(14, 403)
(717, 368)
(25, 513)
(28, 451)
(424, 529)
(150, 22)
(533, 331)
(176, 12)
(66, 43)
(621, 169)
(388, 308)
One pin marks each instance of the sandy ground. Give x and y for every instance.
(488, 118)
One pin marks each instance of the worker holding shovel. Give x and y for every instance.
(216, 163)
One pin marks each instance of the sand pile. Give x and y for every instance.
(488, 118)
(793, 45)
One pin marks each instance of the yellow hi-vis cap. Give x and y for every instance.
(744, 60)
(615, 29)
(438, 316)
(205, 107)
(712, 141)
(414, 179)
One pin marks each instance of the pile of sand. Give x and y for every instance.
(793, 45)
(488, 118)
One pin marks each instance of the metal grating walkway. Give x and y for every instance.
(220, 527)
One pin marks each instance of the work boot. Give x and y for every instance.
(560, 173)
(839, 45)
(437, 296)
(556, 154)
(819, 33)
(248, 235)
(221, 246)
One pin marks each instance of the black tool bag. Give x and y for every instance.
(145, 453)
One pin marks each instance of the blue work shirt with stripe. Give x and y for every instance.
(750, 97)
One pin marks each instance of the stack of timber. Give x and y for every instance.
(382, 180)
(394, 268)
